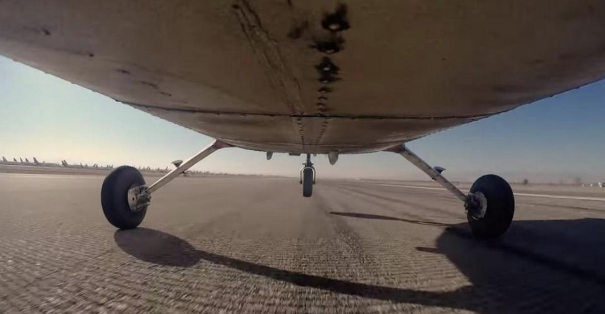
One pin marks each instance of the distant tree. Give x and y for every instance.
(525, 182)
(578, 181)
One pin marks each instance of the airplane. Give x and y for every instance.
(313, 77)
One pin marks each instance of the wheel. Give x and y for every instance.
(497, 207)
(308, 182)
(114, 197)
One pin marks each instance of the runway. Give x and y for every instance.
(255, 245)
(567, 197)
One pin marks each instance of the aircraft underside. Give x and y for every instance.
(317, 76)
(313, 76)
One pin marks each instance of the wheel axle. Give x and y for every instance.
(138, 198)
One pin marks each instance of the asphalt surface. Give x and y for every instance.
(255, 245)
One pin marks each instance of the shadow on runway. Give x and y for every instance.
(550, 266)
(156, 247)
(381, 217)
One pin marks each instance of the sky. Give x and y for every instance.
(553, 140)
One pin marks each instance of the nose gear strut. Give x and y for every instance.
(307, 177)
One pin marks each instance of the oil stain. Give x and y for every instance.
(152, 85)
(331, 46)
(337, 21)
(327, 78)
(327, 66)
(324, 90)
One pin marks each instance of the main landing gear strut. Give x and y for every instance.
(125, 197)
(490, 203)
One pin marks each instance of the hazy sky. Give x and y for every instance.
(555, 139)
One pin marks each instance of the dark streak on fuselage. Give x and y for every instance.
(268, 53)
(335, 23)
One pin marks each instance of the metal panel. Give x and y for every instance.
(272, 75)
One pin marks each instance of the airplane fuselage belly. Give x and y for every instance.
(313, 76)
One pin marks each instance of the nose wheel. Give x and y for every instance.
(307, 177)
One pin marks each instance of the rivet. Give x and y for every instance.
(324, 90)
(335, 26)
(336, 21)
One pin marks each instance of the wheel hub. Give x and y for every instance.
(138, 198)
(477, 205)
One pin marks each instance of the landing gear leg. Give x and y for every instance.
(125, 197)
(307, 177)
(490, 204)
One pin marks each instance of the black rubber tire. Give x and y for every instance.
(308, 182)
(114, 197)
(500, 207)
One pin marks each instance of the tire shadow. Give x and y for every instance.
(550, 266)
(156, 247)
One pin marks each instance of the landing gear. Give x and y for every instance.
(493, 212)
(116, 198)
(307, 177)
(125, 197)
(490, 204)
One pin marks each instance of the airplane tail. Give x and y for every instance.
(4, 159)
(36, 161)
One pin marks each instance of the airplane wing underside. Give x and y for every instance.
(313, 76)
